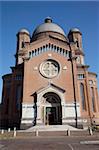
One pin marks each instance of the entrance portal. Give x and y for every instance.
(53, 110)
(51, 115)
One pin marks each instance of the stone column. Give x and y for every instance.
(38, 119)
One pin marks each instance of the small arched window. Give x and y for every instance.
(23, 45)
(77, 43)
(18, 96)
(7, 107)
(82, 93)
(93, 99)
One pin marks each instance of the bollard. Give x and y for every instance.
(37, 133)
(14, 134)
(90, 131)
(2, 131)
(14, 128)
(9, 129)
(68, 132)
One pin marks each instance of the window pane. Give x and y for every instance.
(93, 99)
(82, 96)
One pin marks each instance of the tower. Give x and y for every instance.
(75, 36)
(23, 39)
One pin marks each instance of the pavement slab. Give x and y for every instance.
(50, 143)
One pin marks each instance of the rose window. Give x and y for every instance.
(49, 68)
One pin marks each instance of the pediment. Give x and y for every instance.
(51, 86)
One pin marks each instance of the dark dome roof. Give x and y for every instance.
(24, 31)
(48, 26)
(75, 30)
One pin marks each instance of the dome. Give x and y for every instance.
(75, 30)
(24, 31)
(48, 26)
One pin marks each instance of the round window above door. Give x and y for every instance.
(49, 68)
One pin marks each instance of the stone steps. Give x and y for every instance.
(52, 128)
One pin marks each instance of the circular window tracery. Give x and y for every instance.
(49, 68)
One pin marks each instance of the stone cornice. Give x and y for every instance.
(82, 66)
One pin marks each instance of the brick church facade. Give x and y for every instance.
(50, 83)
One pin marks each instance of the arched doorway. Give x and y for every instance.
(51, 109)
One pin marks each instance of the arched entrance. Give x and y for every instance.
(51, 109)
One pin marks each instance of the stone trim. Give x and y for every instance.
(49, 47)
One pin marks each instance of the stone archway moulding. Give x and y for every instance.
(53, 89)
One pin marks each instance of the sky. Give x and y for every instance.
(28, 14)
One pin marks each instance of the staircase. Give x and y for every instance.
(52, 128)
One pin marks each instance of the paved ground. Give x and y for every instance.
(51, 143)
